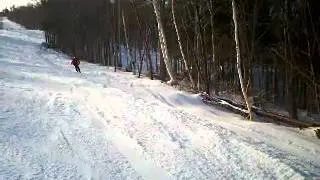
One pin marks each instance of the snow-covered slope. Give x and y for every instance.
(7, 24)
(58, 124)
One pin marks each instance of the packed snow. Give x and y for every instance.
(59, 124)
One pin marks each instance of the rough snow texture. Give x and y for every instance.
(58, 124)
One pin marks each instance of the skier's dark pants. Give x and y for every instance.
(77, 69)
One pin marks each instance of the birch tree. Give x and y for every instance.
(238, 51)
(180, 44)
(163, 42)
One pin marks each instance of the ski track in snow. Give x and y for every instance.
(58, 124)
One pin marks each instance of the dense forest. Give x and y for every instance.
(266, 52)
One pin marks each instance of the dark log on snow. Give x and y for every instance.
(241, 109)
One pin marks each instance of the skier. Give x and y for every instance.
(76, 63)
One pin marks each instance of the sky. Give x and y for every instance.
(9, 3)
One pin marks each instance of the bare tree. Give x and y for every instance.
(163, 42)
(180, 44)
(238, 51)
(212, 13)
(129, 56)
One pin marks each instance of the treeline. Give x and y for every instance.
(266, 51)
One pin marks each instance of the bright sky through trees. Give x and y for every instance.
(8, 3)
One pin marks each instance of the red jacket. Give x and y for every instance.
(75, 62)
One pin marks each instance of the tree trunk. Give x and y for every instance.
(129, 57)
(141, 56)
(114, 39)
(163, 71)
(202, 30)
(197, 47)
(215, 69)
(291, 93)
(236, 38)
(148, 54)
(134, 64)
(119, 64)
(163, 43)
(156, 53)
(180, 45)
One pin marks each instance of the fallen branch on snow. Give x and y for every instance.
(241, 109)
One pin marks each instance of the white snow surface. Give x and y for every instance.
(59, 124)
(7, 24)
